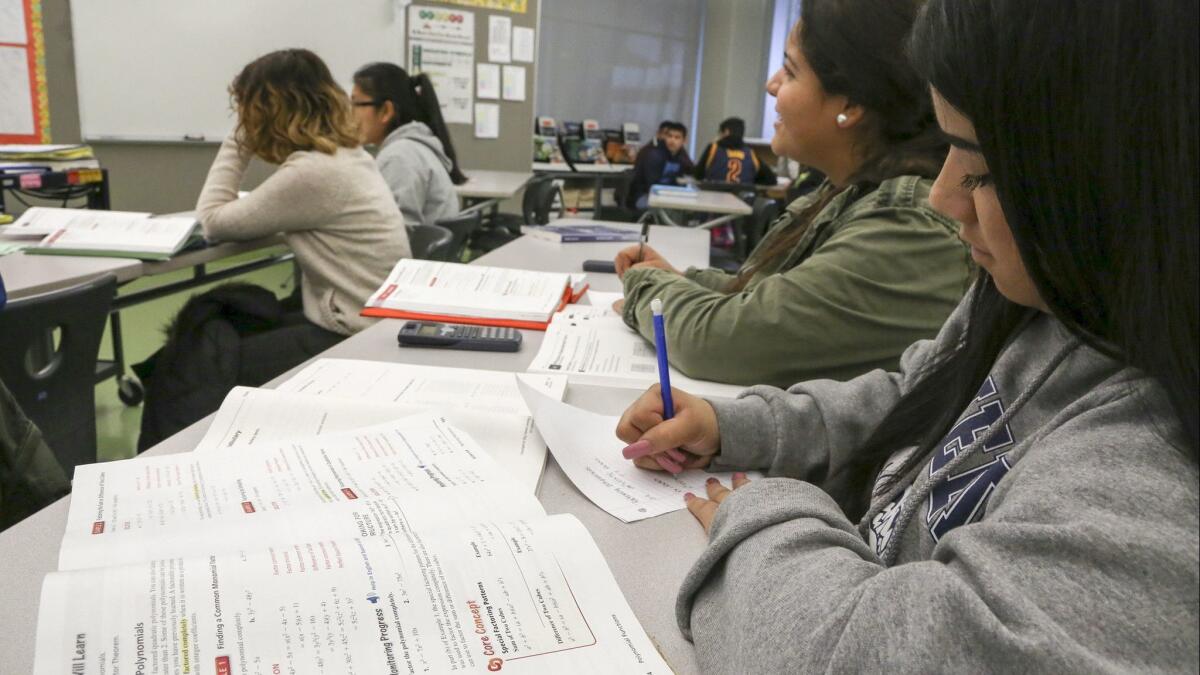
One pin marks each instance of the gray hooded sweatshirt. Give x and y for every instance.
(1054, 529)
(417, 171)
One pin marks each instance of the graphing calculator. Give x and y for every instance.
(459, 336)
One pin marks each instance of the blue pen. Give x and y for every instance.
(660, 349)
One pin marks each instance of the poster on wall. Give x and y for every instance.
(441, 44)
(515, 6)
(440, 24)
(24, 102)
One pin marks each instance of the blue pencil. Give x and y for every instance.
(660, 349)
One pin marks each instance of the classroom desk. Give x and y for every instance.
(725, 204)
(490, 187)
(28, 275)
(649, 559)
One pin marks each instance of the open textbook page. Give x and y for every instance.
(420, 471)
(251, 418)
(592, 345)
(526, 596)
(458, 393)
(586, 448)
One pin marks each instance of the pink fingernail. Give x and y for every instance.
(739, 476)
(635, 450)
(666, 463)
(711, 480)
(676, 455)
(687, 496)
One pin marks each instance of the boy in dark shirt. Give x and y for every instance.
(659, 163)
(729, 160)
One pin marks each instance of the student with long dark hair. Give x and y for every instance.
(1022, 494)
(400, 115)
(853, 272)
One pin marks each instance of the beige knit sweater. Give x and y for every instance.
(334, 211)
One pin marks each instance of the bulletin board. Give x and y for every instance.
(24, 102)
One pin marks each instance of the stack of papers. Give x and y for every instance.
(116, 234)
(474, 294)
(592, 345)
(675, 191)
(402, 547)
(47, 152)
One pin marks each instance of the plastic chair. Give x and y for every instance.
(430, 242)
(55, 383)
(461, 227)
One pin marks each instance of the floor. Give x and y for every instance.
(142, 326)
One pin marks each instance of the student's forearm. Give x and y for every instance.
(221, 186)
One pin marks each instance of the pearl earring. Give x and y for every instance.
(842, 119)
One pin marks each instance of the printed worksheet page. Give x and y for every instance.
(592, 345)
(586, 447)
(530, 596)
(253, 418)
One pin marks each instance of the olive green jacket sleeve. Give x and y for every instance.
(712, 279)
(878, 283)
(30, 475)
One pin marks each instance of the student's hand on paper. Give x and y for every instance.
(618, 306)
(686, 441)
(627, 258)
(706, 509)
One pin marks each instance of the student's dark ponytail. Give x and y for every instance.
(414, 100)
(426, 96)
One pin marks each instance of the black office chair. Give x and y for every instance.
(537, 203)
(462, 227)
(430, 242)
(48, 359)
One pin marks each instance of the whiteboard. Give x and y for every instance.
(159, 70)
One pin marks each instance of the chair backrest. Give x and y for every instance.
(764, 212)
(48, 350)
(461, 227)
(538, 200)
(430, 242)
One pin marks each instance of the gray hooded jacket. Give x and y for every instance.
(1054, 529)
(417, 171)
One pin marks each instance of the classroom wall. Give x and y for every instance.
(167, 177)
(737, 35)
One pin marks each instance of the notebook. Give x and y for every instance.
(114, 234)
(428, 290)
(579, 233)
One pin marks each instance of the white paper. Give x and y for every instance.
(523, 597)
(487, 80)
(250, 419)
(487, 120)
(166, 506)
(514, 83)
(16, 111)
(603, 300)
(451, 68)
(470, 291)
(592, 345)
(524, 45)
(40, 221)
(587, 449)
(12, 23)
(441, 24)
(499, 39)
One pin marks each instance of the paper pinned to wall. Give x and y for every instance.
(24, 117)
(441, 24)
(451, 68)
(524, 44)
(487, 120)
(514, 83)
(500, 39)
(487, 80)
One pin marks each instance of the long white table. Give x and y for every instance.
(725, 204)
(648, 558)
(485, 189)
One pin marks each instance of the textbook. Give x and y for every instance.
(333, 395)
(675, 191)
(401, 547)
(115, 234)
(428, 290)
(569, 234)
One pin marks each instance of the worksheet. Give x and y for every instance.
(524, 596)
(587, 449)
(421, 467)
(592, 345)
(252, 418)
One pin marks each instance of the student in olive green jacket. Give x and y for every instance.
(851, 274)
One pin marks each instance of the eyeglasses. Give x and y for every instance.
(364, 104)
